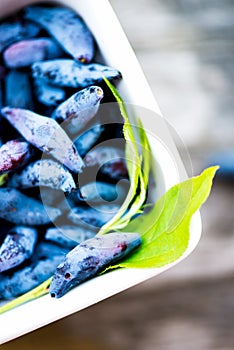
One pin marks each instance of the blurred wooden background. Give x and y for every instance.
(186, 50)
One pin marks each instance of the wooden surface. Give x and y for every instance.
(186, 50)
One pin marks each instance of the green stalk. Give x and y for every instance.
(35, 293)
(138, 169)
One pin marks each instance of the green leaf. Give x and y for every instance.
(35, 293)
(138, 165)
(165, 230)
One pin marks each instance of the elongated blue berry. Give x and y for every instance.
(44, 172)
(110, 160)
(42, 266)
(91, 257)
(18, 90)
(86, 140)
(13, 155)
(26, 52)
(47, 94)
(94, 216)
(22, 210)
(69, 236)
(101, 191)
(67, 28)
(66, 72)
(79, 109)
(17, 247)
(45, 134)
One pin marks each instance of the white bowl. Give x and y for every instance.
(116, 52)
